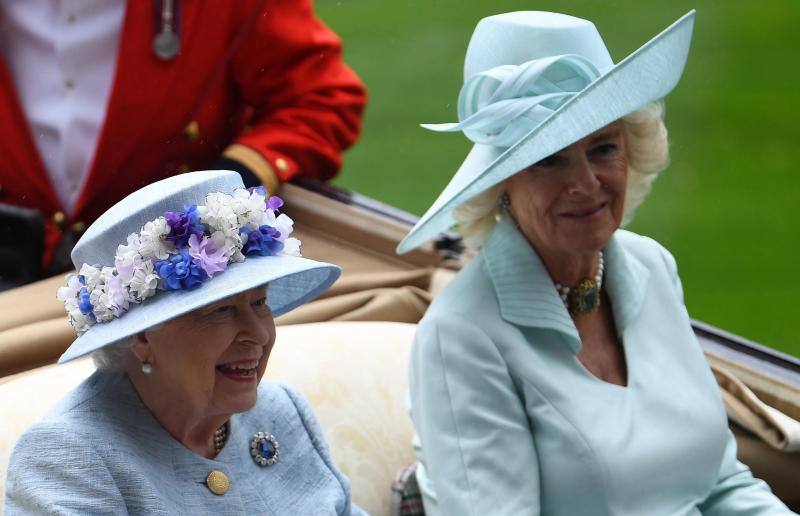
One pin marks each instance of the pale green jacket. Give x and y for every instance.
(509, 421)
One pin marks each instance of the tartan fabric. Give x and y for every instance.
(406, 497)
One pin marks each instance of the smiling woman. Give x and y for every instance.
(180, 323)
(561, 359)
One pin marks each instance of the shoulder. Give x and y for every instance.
(647, 250)
(290, 414)
(469, 295)
(285, 413)
(55, 467)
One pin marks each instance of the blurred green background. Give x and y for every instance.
(727, 205)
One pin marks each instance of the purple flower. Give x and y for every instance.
(210, 258)
(83, 299)
(180, 271)
(263, 241)
(183, 225)
(274, 202)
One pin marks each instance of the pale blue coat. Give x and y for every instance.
(100, 451)
(509, 421)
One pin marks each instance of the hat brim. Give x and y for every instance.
(646, 75)
(292, 281)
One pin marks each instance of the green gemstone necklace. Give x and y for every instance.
(585, 296)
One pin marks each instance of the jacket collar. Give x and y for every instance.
(527, 296)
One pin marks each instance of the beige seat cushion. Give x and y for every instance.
(352, 373)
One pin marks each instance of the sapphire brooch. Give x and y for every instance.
(264, 449)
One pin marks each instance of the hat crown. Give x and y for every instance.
(98, 245)
(522, 36)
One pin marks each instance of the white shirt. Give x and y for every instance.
(62, 55)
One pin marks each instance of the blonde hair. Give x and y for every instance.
(648, 155)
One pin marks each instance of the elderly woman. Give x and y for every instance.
(179, 321)
(558, 372)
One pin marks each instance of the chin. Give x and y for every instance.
(591, 242)
(241, 402)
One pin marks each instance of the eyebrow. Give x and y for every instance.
(610, 133)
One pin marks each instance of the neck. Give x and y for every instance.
(569, 269)
(193, 430)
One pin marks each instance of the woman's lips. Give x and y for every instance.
(240, 370)
(586, 214)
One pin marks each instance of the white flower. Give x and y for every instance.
(284, 224)
(291, 247)
(103, 311)
(110, 298)
(91, 275)
(231, 241)
(128, 258)
(79, 322)
(144, 282)
(218, 212)
(70, 292)
(250, 207)
(153, 241)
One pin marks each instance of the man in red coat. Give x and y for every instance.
(99, 99)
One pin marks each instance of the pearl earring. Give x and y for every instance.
(147, 368)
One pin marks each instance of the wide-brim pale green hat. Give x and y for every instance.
(536, 82)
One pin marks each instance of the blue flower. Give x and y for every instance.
(84, 304)
(180, 271)
(183, 225)
(263, 241)
(259, 189)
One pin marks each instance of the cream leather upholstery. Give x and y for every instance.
(352, 373)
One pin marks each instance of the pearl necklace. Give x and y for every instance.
(585, 296)
(220, 436)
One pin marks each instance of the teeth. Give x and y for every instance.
(241, 366)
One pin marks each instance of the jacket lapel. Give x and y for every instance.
(526, 293)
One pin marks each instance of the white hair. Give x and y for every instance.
(648, 154)
(114, 358)
(117, 357)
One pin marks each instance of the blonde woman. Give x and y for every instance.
(558, 372)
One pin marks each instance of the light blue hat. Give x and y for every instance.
(177, 245)
(536, 82)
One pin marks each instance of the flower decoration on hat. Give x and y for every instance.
(179, 251)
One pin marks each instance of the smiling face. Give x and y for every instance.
(571, 203)
(209, 361)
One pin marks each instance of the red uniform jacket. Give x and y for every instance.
(263, 75)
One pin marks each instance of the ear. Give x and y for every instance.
(141, 347)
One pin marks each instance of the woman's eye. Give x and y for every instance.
(261, 302)
(548, 162)
(607, 149)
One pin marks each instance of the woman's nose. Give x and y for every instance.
(582, 177)
(256, 328)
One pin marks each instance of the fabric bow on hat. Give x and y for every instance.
(501, 105)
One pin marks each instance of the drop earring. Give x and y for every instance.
(147, 367)
(502, 203)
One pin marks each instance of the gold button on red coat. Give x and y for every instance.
(78, 227)
(282, 165)
(192, 131)
(59, 219)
